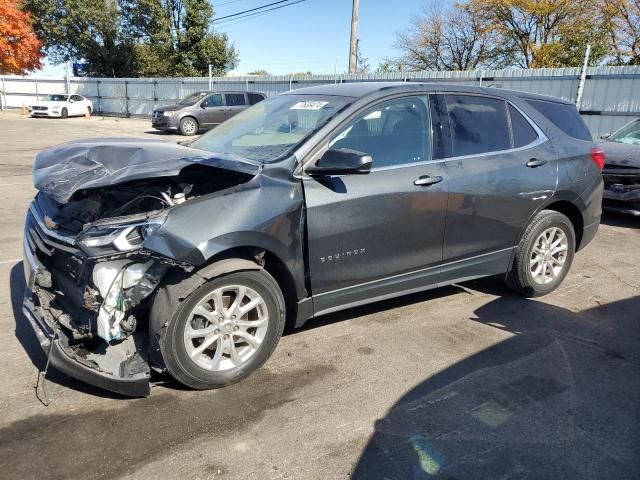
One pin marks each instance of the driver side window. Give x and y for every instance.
(214, 100)
(395, 132)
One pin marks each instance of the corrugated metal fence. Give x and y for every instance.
(611, 94)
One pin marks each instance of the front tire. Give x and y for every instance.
(225, 330)
(189, 126)
(64, 113)
(544, 256)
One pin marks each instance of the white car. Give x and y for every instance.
(62, 106)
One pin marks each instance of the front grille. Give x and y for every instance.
(53, 249)
(40, 109)
(157, 114)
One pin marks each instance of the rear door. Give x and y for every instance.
(501, 170)
(213, 110)
(236, 102)
(375, 235)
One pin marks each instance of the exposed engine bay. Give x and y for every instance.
(91, 277)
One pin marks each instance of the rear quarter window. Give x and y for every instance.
(563, 116)
(255, 98)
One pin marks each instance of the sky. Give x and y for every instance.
(310, 36)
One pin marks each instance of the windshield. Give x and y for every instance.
(56, 98)
(192, 99)
(628, 134)
(273, 128)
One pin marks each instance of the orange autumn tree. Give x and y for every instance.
(20, 48)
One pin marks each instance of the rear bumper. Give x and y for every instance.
(56, 343)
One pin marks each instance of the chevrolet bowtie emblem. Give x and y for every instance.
(48, 221)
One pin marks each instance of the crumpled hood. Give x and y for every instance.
(61, 171)
(621, 154)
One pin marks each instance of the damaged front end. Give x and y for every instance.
(622, 189)
(90, 278)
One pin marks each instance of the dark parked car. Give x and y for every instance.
(622, 170)
(202, 111)
(193, 258)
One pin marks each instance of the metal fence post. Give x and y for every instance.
(126, 98)
(583, 77)
(4, 95)
(99, 97)
(37, 95)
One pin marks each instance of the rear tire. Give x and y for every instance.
(544, 256)
(88, 114)
(64, 113)
(238, 343)
(189, 126)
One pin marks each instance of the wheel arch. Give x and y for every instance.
(177, 284)
(572, 212)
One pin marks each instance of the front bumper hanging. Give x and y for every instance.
(56, 343)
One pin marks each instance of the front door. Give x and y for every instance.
(501, 170)
(372, 236)
(213, 111)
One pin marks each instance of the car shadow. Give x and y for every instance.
(616, 219)
(559, 398)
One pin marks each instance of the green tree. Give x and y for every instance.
(134, 37)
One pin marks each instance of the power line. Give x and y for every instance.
(227, 3)
(249, 16)
(250, 10)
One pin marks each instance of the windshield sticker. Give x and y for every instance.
(309, 105)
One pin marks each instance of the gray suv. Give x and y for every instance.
(145, 255)
(202, 111)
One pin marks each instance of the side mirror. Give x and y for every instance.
(341, 162)
(605, 136)
(72, 101)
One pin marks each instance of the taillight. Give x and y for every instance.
(597, 155)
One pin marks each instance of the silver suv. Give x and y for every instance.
(202, 111)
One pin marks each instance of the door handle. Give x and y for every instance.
(536, 162)
(426, 180)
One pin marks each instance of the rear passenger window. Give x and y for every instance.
(393, 133)
(234, 99)
(477, 125)
(254, 98)
(564, 116)
(523, 132)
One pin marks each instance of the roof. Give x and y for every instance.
(362, 89)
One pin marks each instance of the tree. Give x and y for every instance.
(20, 48)
(362, 62)
(623, 17)
(446, 38)
(260, 73)
(134, 37)
(543, 33)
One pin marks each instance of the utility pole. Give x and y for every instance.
(353, 46)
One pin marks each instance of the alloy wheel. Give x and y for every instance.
(226, 328)
(548, 255)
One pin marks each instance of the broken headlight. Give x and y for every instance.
(123, 237)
